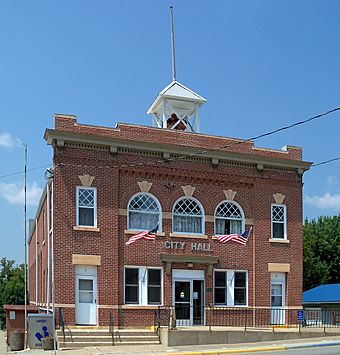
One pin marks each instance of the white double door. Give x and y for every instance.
(86, 295)
(277, 297)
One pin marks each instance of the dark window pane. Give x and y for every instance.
(220, 279)
(131, 276)
(86, 216)
(240, 296)
(131, 294)
(240, 279)
(182, 311)
(154, 277)
(154, 295)
(278, 230)
(182, 291)
(220, 296)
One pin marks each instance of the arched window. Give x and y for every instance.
(229, 218)
(187, 216)
(144, 212)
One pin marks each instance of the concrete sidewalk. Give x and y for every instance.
(194, 350)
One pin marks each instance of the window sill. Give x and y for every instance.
(128, 231)
(282, 241)
(221, 307)
(86, 229)
(195, 236)
(137, 306)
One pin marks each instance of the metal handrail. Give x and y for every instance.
(62, 322)
(246, 317)
(112, 327)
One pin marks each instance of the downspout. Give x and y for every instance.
(48, 248)
(36, 262)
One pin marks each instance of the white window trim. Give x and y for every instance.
(232, 219)
(202, 215)
(284, 223)
(158, 204)
(94, 207)
(143, 285)
(230, 289)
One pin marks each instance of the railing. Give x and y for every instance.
(244, 317)
(112, 327)
(157, 325)
(62, 322)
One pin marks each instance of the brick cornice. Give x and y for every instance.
(52, 135)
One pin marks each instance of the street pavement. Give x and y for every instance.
(313, 346)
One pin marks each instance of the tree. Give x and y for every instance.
(321, 251)
(12, 286)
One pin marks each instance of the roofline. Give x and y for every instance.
(318, 302)
(52, 135)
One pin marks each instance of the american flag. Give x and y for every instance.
(239, 239)
(148, 235)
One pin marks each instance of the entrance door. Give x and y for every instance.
(86, 299)
(277, 299)
(198, 304)
(183, 307)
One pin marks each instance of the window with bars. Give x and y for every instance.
(143, 285)
(228, 218)
(278, 221)
(187, 216)
(230, 288)
(86, 207)
(144, 212)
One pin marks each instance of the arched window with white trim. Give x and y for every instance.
(229, 218)
(187, 216)
(144, 212)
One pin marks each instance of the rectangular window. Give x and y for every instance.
(230, 288)
(143, 286)
(278, 221)
(154, 286)
(240, 289)
(86, 207)
(131, 286)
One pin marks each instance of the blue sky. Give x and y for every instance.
(260, 64)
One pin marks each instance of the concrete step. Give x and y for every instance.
(104, 338)
(70, 345)
(104, 333)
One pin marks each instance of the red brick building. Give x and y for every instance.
(111, 183)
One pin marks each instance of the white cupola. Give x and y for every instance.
(177, 107)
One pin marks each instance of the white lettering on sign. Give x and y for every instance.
(201, 247)
(205, 247)
(174, 245)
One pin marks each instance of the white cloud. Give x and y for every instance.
(14, 193)
(332, 180)
(327, 201)
(7, 141)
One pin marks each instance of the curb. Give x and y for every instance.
(227, 351)
(253, 350)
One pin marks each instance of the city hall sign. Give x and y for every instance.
(205, 247)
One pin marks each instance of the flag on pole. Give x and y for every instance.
(236, 238)
(148, 235)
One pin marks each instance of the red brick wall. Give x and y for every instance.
(116, 180)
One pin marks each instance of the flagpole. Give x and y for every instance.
(25, 238)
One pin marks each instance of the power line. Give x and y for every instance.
(228, 145)
(22, 172)
(325, 162)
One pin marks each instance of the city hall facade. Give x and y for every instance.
(109, 184)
